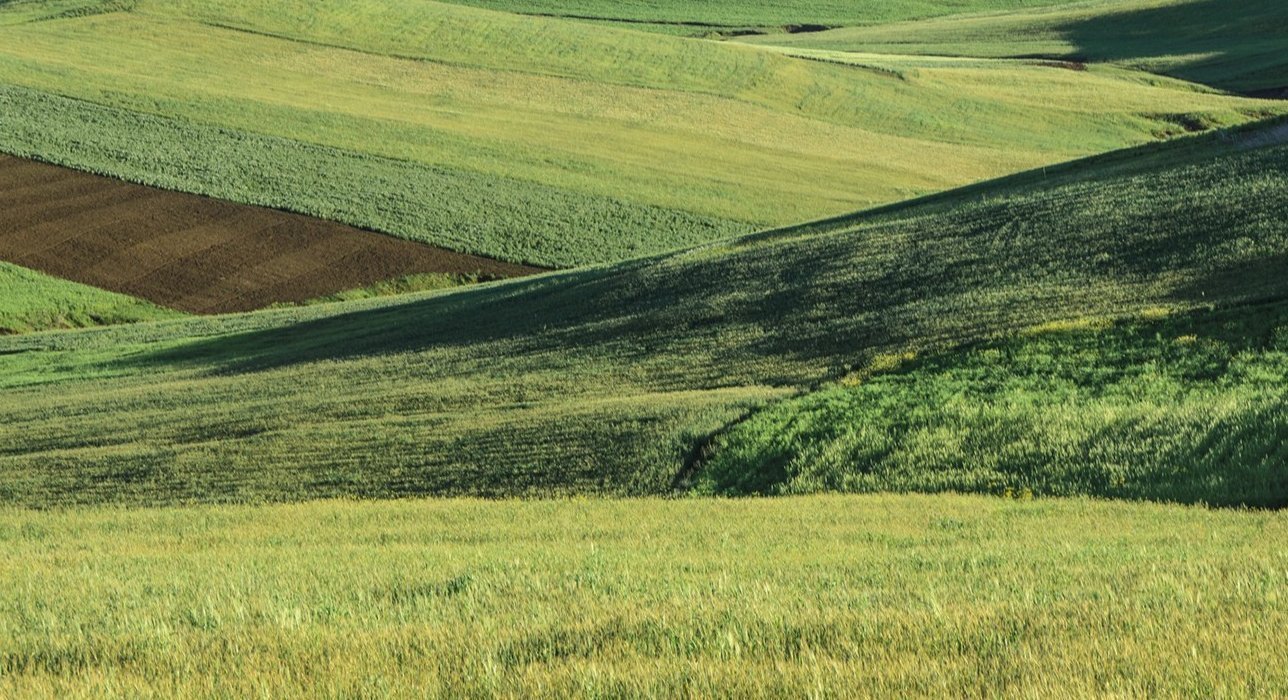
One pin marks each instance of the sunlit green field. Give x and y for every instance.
(539, 140)
(830, 596)
(31, 301)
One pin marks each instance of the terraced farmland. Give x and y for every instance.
(197, 254)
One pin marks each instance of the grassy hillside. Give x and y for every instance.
(539, 140)
(1192, 408)
(31, 301)
(857, 596)
(1231, 44)
(603, 380)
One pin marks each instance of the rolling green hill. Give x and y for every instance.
(31, 301)
(539, 140)
(604, 380)
(1236, 45)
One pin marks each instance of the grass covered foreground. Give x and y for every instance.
(31, 301)
(1191, 409)
(836, 596)
(605, 380)
(539, 140)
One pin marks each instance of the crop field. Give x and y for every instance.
(192, 253)
(844, 596)
(31, 301)
(1242, 51)
(643, 348)
(604, 145)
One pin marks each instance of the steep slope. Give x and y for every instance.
(603, 380)
(536, 140)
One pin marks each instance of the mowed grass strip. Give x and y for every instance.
(1242, 51)
(31, 301)
(193, 253)
(604, 380)
(845, 596)
(542, 141)
(1192, 408)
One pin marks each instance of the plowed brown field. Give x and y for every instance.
(194, 253)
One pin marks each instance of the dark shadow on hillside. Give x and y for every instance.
(1225, 36)
(973, 267)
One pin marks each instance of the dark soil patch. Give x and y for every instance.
(194, 253)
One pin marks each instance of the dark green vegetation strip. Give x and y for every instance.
(1190, 409)
(700, 18)
(873, 596)
(525, 222)
(603, 380)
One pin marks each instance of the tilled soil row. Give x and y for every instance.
(194, 253)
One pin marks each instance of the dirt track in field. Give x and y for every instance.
(194, 253)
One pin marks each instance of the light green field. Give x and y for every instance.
(605, 380)
(536, 140)
(1231, 44)
(31, 301)
(840, 596)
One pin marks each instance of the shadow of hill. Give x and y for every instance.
(1193, 223)
(1235, 45)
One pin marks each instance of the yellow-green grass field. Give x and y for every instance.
(610, 379)
(31, 301)
(596, 144)
(1236, 45)
(829, 597)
